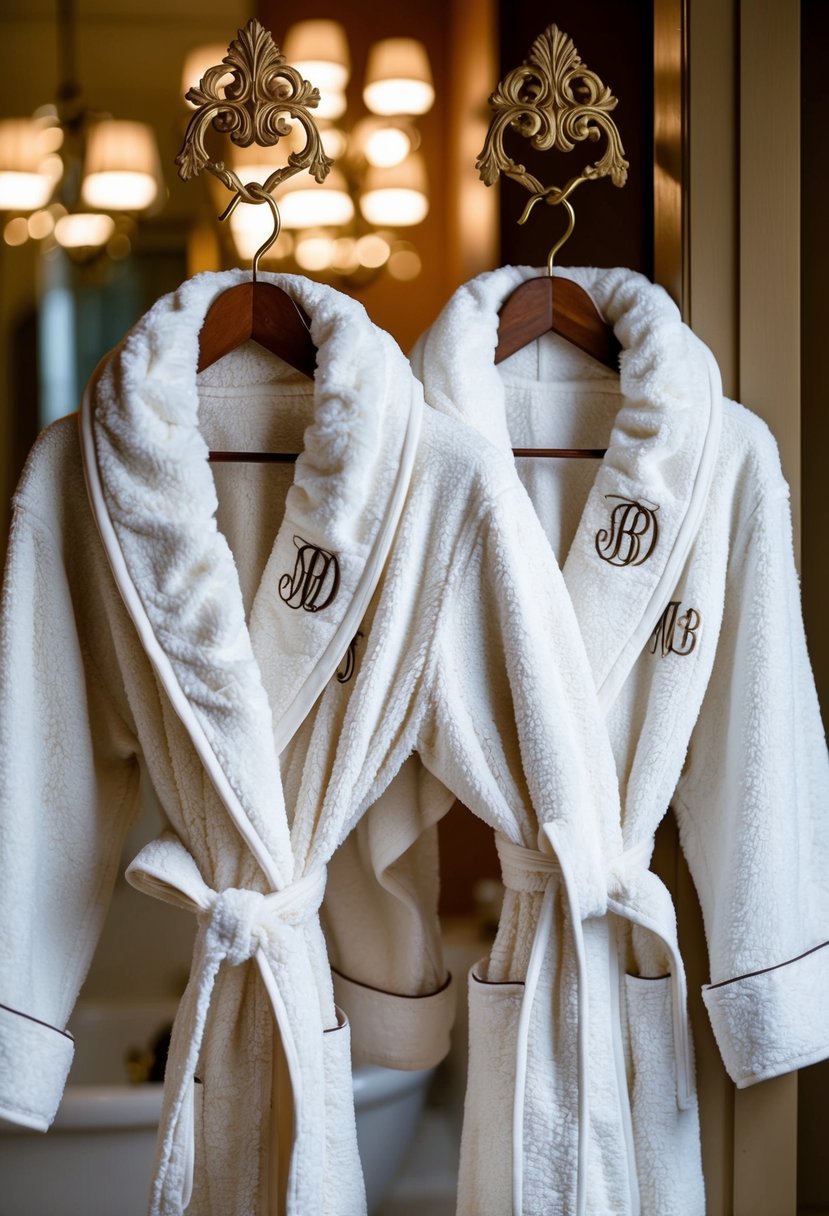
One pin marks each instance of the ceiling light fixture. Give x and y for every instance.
(97, 171)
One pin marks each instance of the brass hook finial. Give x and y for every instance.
(255, 107)
(553, 100)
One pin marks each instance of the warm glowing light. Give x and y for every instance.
(84, 230)
(398, 78)
(28, 172)
(387, 146)
(345, 255)
(396, 197)
(395, 207)
(316, 208)
(319, 51)
(23, 191)
(314, 252)
(16, 231)
(332, 105)
(119, 190)
(334, 142)
(404, 264)
(197, 63)
(40, 224)
(372, 250)
(256, 164)
(122, 170)
(308, 205)
(251, 226)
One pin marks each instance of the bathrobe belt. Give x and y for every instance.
(235, 927)
(634, 893)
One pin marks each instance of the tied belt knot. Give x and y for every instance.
(236, 926)
(635, 894)
(238, 922)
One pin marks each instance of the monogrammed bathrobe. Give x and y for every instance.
(677, 556)
(268, 645)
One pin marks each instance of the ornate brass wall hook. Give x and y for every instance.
(553, 100)
(264, 94)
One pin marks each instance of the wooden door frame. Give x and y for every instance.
(727, 247)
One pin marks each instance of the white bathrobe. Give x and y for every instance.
(679, 566)
(268, 645)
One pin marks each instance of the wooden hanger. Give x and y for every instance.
(546, 304)
(268, 315)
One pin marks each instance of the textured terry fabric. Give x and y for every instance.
(182, 656)
(699, 660)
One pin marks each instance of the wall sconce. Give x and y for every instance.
(348, 227)
(72, 176)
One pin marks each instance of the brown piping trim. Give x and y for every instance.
(420, 996)
(38, 1022)
(763, 970)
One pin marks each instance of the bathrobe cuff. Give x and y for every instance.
(772, 1021)
(406, 1032)
(34, 1064)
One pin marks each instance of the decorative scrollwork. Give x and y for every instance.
(256, 106)
(553, 100)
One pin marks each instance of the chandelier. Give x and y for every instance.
(355, 224)
(70, 175)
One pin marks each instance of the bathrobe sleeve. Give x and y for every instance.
(753, 808)
(66, 798)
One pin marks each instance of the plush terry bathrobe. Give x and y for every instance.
(269, 673)
(679, 567)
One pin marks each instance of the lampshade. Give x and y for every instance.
(396, 197)
(29, 169)
(251, 226)
(84, 230)
(122, 170)
(382, 141)
(319, 51)
(398, 78)
(305, 204)
(196, 64)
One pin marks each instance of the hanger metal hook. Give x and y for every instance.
(562, 239)
(254, 193)
(553, 196)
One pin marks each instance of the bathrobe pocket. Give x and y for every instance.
(486, 1144)
(344, 1191)
(666, 1139)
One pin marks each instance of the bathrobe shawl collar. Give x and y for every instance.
(645, 505)
(154, 499)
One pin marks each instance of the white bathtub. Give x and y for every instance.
(96, 1160)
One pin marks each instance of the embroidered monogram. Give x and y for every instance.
(346, 670)
(315, 579)
(676, 634)
(632, 535)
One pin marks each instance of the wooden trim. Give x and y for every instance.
(769, 332)
(765, 1116)
(713, 245)
(670, 169)
(727, 248)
